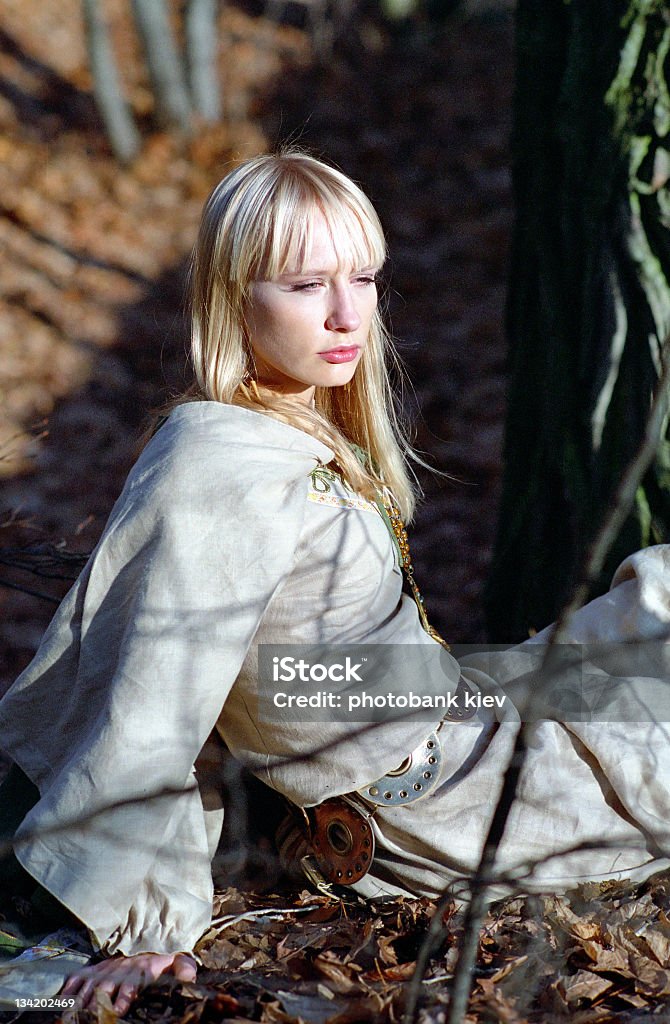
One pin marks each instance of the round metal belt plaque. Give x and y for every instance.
(342, 841)
(411, 780)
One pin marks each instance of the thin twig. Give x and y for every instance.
(45, 560)
(623, 499)
(593, 563)
(8, 843)
(30, 592)
(476, 910)
(432, 940)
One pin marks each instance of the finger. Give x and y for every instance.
(112, 986)
(131, 985)
(99, 981)
(72, 985)
(184, 968)
(127, 994)
(152, 969)
(86, 993)
(75, 982)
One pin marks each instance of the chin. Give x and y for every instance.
(339, 375)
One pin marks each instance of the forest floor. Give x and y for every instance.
(92, 289)
(93, 336)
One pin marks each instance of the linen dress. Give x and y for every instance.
(224, 539)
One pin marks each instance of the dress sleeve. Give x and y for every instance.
(131, 678)
(636, 607)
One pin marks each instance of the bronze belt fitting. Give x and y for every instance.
(342, 841)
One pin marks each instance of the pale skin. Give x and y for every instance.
(124, 977)
(310, 325)
(308, 328)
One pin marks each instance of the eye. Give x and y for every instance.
(365, 279)
(306, 286)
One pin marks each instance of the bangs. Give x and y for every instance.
(353, 226)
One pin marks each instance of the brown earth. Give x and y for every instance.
(92, 285)
(93, 336)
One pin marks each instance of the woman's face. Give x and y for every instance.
(308, 329)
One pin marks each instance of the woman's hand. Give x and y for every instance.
(123, 977)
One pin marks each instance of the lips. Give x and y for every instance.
(343, 354)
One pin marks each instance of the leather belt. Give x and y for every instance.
(338, 830)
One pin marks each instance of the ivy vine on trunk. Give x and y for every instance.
(589, 302)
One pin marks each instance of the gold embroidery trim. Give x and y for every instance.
(341, 501)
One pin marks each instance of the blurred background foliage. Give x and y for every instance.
(184, 78)
(118, 116)
(92, 306)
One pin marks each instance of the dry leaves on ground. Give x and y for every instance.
(598, 955)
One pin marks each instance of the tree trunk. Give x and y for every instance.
(201, 47)
(173, 107)
(589, 304)
(115, 113)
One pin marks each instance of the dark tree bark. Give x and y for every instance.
(116, 115)
(589, 304)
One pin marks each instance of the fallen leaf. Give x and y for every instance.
(387, 952)
(396, 972)
(613, 960)
(332, 968)
(658, 941)
(508, 968)
(650, 979)
(104, 1012)
(583, 985)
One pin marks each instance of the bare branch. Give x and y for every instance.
(164, 62)
(623, 498)
(201, 46)
(29, 591)
(123, 135)
(46, 560)
(594, 561)
(8, 844)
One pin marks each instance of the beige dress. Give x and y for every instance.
(223, 540)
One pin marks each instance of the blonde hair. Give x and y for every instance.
(255, 222)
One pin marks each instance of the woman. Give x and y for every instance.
(255, 518)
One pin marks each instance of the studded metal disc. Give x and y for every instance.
(342, 841)
(411, 780)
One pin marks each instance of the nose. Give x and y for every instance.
(343, 315)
